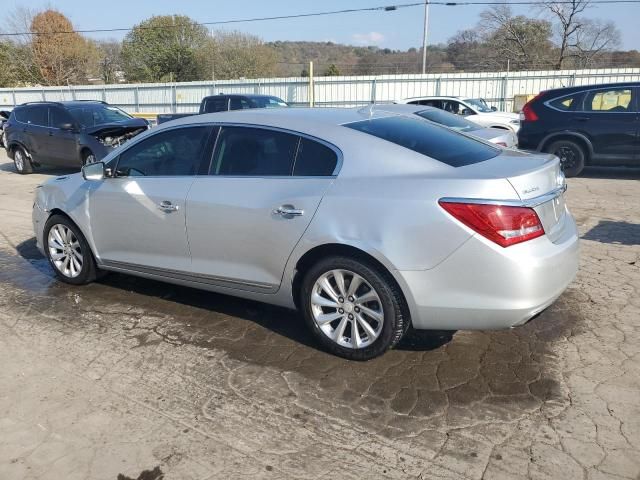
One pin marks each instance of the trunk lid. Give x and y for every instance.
(534, 177)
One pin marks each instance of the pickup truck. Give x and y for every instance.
(223, 103)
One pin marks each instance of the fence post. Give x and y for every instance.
(312, 93)
(44, 99)
(374, 84)
(503, 93)
(13, 94)
(136, 99)
(438, 86)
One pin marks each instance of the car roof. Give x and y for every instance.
(579, 88)
(66, 103)
(403, 108)
(433, 97)
(243, 95)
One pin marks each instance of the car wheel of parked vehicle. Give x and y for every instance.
(571, 155)
(68, 251)
(21, 161)
(88, 157)
(352, 308)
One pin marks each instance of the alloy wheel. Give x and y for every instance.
(567, 156)
(19, 159)
(65, 251)
(347, 309)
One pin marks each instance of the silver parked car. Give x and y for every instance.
(499, 136)
(367, 222)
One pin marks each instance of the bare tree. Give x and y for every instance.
(580, 39)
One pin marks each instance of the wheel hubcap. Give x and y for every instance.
(65, 251)
(19, 159)
(347, 309)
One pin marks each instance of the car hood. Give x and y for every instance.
(118, 128)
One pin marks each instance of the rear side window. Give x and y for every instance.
(20, 114)
(36, 115)
(252, 152)
(437, 142)
(563, 103)
(175, 152)
(616, 100)
(239, 103)
(314, 160)
(216, 105)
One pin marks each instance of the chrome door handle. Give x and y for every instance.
(168, 206)
(288, 211)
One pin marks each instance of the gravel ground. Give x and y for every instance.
(134, 379)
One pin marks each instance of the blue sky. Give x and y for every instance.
(398, 30)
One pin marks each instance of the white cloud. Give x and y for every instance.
(371, 38)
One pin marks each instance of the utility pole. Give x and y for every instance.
(424, 36)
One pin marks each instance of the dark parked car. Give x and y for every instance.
(4, 116)
(225, 103)
(66, 134)
(587, 125)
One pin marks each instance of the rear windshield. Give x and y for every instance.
(431, 140)
(450, 120)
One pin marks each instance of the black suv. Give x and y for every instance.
(66, 134)
(588, 125)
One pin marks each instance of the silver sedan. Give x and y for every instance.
(368, 222)
(499, 136)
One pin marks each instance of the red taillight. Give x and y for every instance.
(502, 224)
(527, 113)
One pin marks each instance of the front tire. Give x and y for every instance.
(572, 156)
(68, 252)
(21, 161)
(88, 157)
(353, 309)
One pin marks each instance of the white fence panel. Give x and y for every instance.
(499, 88)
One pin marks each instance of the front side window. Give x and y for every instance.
(431, 140)
(176, 152)
(615, 100)
(268, 102)
(479, 104)
(91, 115)
(239, 103)
(244, 151)
(314, 160)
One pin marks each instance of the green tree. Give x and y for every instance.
(332, 71)
(236, 55)
(164, 48)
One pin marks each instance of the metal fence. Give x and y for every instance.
(498, 88)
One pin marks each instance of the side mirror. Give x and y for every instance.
(494, 109)
(93, 171)
(67, 126)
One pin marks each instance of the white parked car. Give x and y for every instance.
(475, 109)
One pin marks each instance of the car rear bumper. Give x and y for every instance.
(485, 286)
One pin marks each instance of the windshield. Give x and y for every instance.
(480, 104)
(427, 139)
(456, 122)
(269, 102)
(91, 115)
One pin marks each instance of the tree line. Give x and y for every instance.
(45, 50)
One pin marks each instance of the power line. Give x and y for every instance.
(384, 8)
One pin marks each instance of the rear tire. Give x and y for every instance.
(21, 161)
(339, 294)
(68, 252)
(572, 156)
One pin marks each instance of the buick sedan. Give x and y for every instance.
(368, 222)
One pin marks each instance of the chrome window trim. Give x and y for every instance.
(583, 93)
(331, 146)
(529, 203)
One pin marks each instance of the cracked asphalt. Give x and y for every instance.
(134, 379)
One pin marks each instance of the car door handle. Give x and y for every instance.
(581, 119)
(288, 211)
(167, 206)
